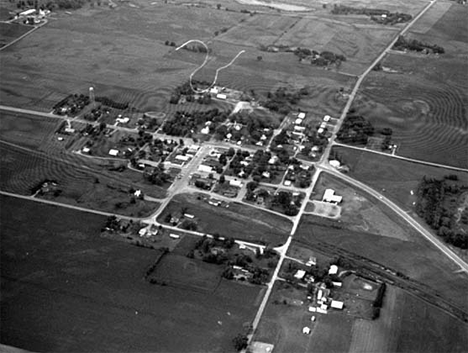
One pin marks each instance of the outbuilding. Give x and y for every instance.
(335, 304)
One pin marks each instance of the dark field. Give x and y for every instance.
(66, 289)
(22, 170)
(397, 177)
(10, 31)
(238, 221)
(417, 259)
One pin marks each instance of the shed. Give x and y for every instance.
(174, 236)
(306, 330)
(300, 274)
(114, 152)
(337, 304)
(301, 115)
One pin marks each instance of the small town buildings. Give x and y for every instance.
(306, 330)
(138, 193)
(86, 150)
(330, 197)
(298, 121)
(336, 304)
(205, 168)
(273, 160)
(300, 274)
(142, 232)
(326, 118)
(333, 270)
(28, 12)
(266, 174)
(301, 115)
(114, 152)
(236, 183)
(287, 183)
(320, 131)
(312, 309)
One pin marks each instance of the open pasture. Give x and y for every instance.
(418, 259)
(238, 221)
(24, 170)
(190, 274)
(66, 289)
(427, 114)
(393, 177)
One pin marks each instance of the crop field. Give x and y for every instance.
(27, 131)
(425, 105)
(23, 170)
(66, 289)
(282, 325)
(239, 221)
(11, 31)
(418, 259)
(392, 177)
(362, 212)
(406, 324)
(444, 24)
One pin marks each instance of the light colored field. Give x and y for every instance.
(325, 209)
(431, 17)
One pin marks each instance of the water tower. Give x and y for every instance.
(91, 95)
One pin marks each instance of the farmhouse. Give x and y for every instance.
(333, 270)
(114, 152)
(334, 163)
(300, 274)
(329, 196)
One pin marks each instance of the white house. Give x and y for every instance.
(333, 270)
(205, 130)
(306, 331)
(301, 115)
(329, 196)
(335, 304)
(205, 168)
(326, 118)
(114, 152)
(300, 274)
(221, 96)
(235, 182)
(334, 163)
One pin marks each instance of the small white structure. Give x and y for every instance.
(298, 121)
(214, 90)
(329, 196)
(333, 270)
(205, 130)
(326, 118)
(287, 183)
(122, 120)
(114, 152)
(301, 115)
(299, 128)
(60, 138)
(273, 160)
(228, 136)
(334, 163)
(335, 304)
(266, 174)
(312, 309)
(182, 158)
(205, 168)
(321, 311)
(190, 216)
(174, 236)
(137, 193)
(337, 284)
(306, 330)
(235, 182)
(300, 274)
(312, 318)
(28, 12)
(319, 294)
(323, 125)
(221, 96)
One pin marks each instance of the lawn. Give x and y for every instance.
(11, 31)
(66, 289)
(417, 259)
(238, 221)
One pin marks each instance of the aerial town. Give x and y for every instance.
(252, 176)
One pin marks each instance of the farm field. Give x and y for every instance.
(392, 177)
(424, 103)
(23, 170)
(239, 221)
(64, 288)
(417, 259)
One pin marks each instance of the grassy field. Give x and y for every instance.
(22, 170)
(66, 289)
(362, 212)
(392, 177)
(11, 31)
(238, 221)
(418, 259)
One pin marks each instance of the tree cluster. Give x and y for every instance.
(73, 102)
(282, 99)
(285, 200)
(377, 15)
(157, 176)
(111, 103)
(186, 123)
(415, 45)
(432, 205)
(355, 129)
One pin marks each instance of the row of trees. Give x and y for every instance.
(282, 99)
(415, 45)
(355, 129)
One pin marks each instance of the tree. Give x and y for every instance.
(240, 342)
(259, 58)
(222, 179)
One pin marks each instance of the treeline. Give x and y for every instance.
(189, 94)
(186, 123)
(378, 15)
(415, 45)
(324, 58)
(355, 129)
(112, 104)
(434, 204)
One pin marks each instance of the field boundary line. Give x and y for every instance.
(24, 35)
